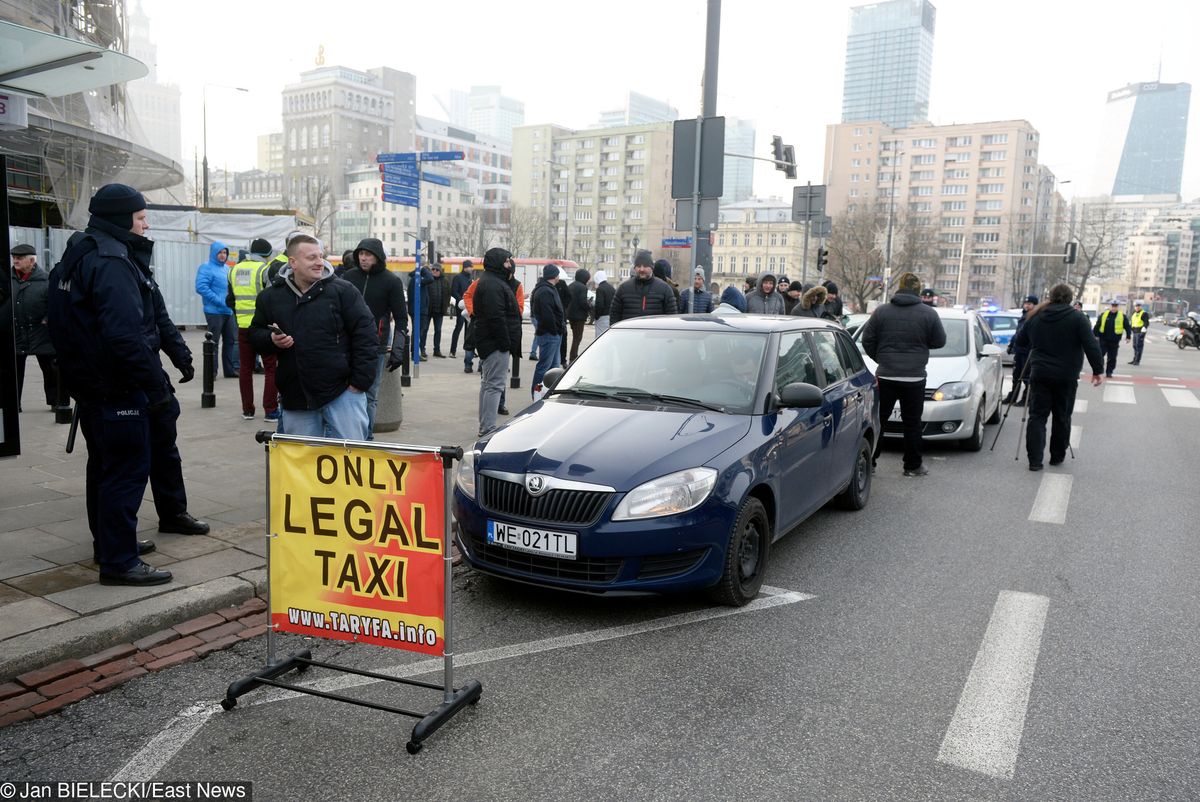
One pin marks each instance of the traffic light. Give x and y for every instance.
(777, 151)
(789, 156)
(822, 258)
(1070, 252)
(432, 254)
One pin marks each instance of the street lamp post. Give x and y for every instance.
(887, 268)
(204, 107)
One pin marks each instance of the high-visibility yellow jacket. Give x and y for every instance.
(247, 279)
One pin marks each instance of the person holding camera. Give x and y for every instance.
(312, 318)
(383, 291)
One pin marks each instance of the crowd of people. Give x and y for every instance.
(323, 336)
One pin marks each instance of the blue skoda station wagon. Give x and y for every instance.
(671, 455)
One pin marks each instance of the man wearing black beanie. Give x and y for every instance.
(108, 321)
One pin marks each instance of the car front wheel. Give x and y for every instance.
(746, 557)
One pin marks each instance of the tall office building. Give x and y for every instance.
(739, 173)
(889, 59)
(1142, 140)
(639, 110)
(492, 114)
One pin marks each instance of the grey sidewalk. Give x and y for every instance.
(51, 604)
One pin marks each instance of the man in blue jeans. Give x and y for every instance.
(549, 328)
(312, 318)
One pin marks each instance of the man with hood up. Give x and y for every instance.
(662, 270)
(603, 304)
(324, 337)
(497, 318)
(812, 304)
(732, 300)
(383, 291)
(899, 336)
(763, 300)
(578, 309)
(104, 323)
(1057, 340)
(643, 293)
(212, 285)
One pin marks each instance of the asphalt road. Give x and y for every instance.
(982, 633)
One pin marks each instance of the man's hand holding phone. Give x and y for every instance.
(281, 340)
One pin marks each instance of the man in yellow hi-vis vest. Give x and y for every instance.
(1139, 321)
(1110, 327)
(246, 281)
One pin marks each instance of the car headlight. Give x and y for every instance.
(951, 391)
(667, 495)
(465, 479)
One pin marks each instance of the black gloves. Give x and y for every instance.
(394, 361)
(186, 373)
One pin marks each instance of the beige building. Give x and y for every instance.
(758, 236)
(270, 153)
(970, 191)
(598, 191)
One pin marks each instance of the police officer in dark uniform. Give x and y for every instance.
(105, 324)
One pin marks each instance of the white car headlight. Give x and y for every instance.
(951, 391)
(667, 495)
(465, 479)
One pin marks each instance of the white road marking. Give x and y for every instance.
(1174, 386)
(1080, 406)
(985, 733)
(1076, 433)
(1120, 383)
(148, 761)
(1118, 394)
(1053, 496)
(1167, 378)
(1181, 398)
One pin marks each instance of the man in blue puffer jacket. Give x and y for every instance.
(212, 283)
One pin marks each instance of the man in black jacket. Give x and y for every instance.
(29, 288)
(383, 291)
(497, 321)
(1109, 328)
(578, 309)
(899, 336)
(604, 299)
(324, 335)
(546, 308)
(437, 307)
(1057, 337)
(1019, 394)
(458, 286)
(643, 293)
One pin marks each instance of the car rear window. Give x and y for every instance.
(999, 323)
(956, 339)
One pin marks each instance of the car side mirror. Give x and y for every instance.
(991, 349)
(551, 378)
(801, 394)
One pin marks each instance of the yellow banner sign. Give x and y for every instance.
(356, 552)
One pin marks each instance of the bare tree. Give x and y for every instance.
(527, 231)
(469, 235)
(1097, 236)
(857, 251)
(312, 196)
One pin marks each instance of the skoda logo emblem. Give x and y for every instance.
(536, 485)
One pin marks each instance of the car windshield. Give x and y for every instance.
(708, 369)
(1000, 323)
(956, 339)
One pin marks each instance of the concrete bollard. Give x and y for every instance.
(389, 412)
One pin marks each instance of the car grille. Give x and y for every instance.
(929, 391)
(585, 569)
(670, 564)
(572, 507)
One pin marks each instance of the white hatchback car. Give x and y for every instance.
(965, 383)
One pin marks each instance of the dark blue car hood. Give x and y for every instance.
(621, 447)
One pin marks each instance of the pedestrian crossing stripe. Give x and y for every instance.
(1181, 398)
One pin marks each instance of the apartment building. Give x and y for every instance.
(487, 165)
(969, 191)
(598, 191)
(758, 236)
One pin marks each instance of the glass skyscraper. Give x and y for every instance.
(1143, 139)
(889, 59)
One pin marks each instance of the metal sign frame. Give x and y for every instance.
(453, 699)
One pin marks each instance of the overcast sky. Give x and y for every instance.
(1050, 62)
